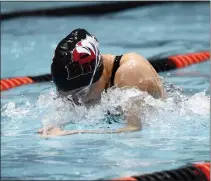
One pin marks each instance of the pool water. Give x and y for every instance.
(175, 130)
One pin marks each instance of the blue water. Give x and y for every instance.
(175, 131)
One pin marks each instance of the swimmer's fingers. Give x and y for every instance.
(42, 130)
(39, 131)
(55, 132)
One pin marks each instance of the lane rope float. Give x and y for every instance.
(179, 61)
(198, 171)
(160, 64)
(80, 10)
(9, 83)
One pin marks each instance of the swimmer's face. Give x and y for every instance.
(83, 96)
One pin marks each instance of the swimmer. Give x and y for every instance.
(81, 73)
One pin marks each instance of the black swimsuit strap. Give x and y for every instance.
(115, 67)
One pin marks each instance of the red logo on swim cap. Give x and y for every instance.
(83, 55)
(85, 51)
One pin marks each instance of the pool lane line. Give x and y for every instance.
(160, 65)
(179, 61)
(81, 10)
(9, 83)
(15, 82)
(190, 172)
(205, 168)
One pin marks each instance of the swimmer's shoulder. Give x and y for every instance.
(137, 71)
(130, 71)
(131, 62)
(131, 57)
(139, 62)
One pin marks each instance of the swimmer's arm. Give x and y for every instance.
(132, 120)
(132, 123)
(120, 130)
(59, 132)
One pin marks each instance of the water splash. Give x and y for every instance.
(166, 114)
(13, 116)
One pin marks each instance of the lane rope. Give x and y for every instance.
(81, 10)
(160, 64)
(198, 171)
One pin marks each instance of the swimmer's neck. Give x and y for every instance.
(104, 80)
(108, 61)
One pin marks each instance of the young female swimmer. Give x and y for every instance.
(80, 71)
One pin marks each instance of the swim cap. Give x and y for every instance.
(76, 61)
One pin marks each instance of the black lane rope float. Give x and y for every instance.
(82, 10)
(160, 65)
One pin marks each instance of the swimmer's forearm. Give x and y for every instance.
(121, 130)
(59, 132)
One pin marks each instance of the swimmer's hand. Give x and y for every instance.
(54, 131)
